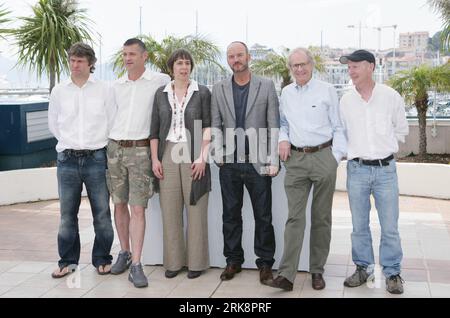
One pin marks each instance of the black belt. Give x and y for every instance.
(80, 153)
(377, 162)
(313, 149)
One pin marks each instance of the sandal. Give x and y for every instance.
(63, 271)
(104, 269)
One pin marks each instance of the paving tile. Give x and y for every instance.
(4, 289)
(41, 280)
(338, 259)
(7, 265)
(439, 265)
(321, 293)
(413, 263)
(113, 293)
(25, 292)
(30, 267)
(414, 275)
(65, 293)
(28, 255)
(336, 270)
(440, 290)
(13, 279)
(437, 276)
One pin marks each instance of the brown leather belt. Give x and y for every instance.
(133, 143)
(312, 149)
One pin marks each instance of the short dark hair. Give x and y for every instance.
(134, 41)
(81, 49)
(179, 54)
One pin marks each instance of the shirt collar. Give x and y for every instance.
(374, 91)
(147, 75)
(304, 87)
(193, 87)
(69, 81)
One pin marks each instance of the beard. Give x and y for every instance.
(239, 67)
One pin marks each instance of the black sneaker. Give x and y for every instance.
(359, 277)
(394, 284)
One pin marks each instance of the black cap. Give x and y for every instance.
(358, 56)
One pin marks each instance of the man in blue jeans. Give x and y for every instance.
(374, 118)
(80, 120)
(244, 112)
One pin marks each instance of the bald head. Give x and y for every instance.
(238, 44)
(238, 57)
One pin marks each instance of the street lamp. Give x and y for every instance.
(352, 26)
(394, 27)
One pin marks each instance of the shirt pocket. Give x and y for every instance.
(317, 115)
(382, 122)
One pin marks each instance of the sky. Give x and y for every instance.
(274, 23)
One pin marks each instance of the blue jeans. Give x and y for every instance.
(382, 183)
(72, 171)
(233, 177)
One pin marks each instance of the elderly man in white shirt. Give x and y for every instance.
(374, 118)
(311, 143)
(79, 117)
(129, 165)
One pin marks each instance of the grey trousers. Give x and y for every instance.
(302, 171)
(174, 195)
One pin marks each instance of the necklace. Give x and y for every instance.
(178, 111)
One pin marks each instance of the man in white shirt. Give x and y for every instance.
(129, 166)
(79, 118)
(374, 118)
(311, 143)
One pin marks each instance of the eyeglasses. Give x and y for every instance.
(298, 65)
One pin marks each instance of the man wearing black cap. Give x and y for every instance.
(374, 118)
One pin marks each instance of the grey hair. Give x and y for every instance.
(301, 50)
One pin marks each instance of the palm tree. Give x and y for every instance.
(414, 85)
(443, 8)
(276, 65)
(44, 38)
(202, 50)
(3, 19)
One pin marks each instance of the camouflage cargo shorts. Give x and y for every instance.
(129, 175)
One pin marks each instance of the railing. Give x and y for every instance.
(24, 91)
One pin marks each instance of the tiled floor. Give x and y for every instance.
(28, 255)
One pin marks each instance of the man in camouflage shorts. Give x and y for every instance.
(130, 176)
(129, 166)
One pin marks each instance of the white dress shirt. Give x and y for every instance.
(80, 118)
(176, 129)
(374, 128)
(309, 116)
(133, 103)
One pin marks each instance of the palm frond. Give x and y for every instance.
(44, 38)
(3, 20)
(442, 7)
(202, 50)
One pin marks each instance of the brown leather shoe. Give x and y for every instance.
(281, 282)
(230, 270)
(265, 275)
(318, 282)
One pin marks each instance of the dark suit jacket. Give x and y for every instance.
(198, 109)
